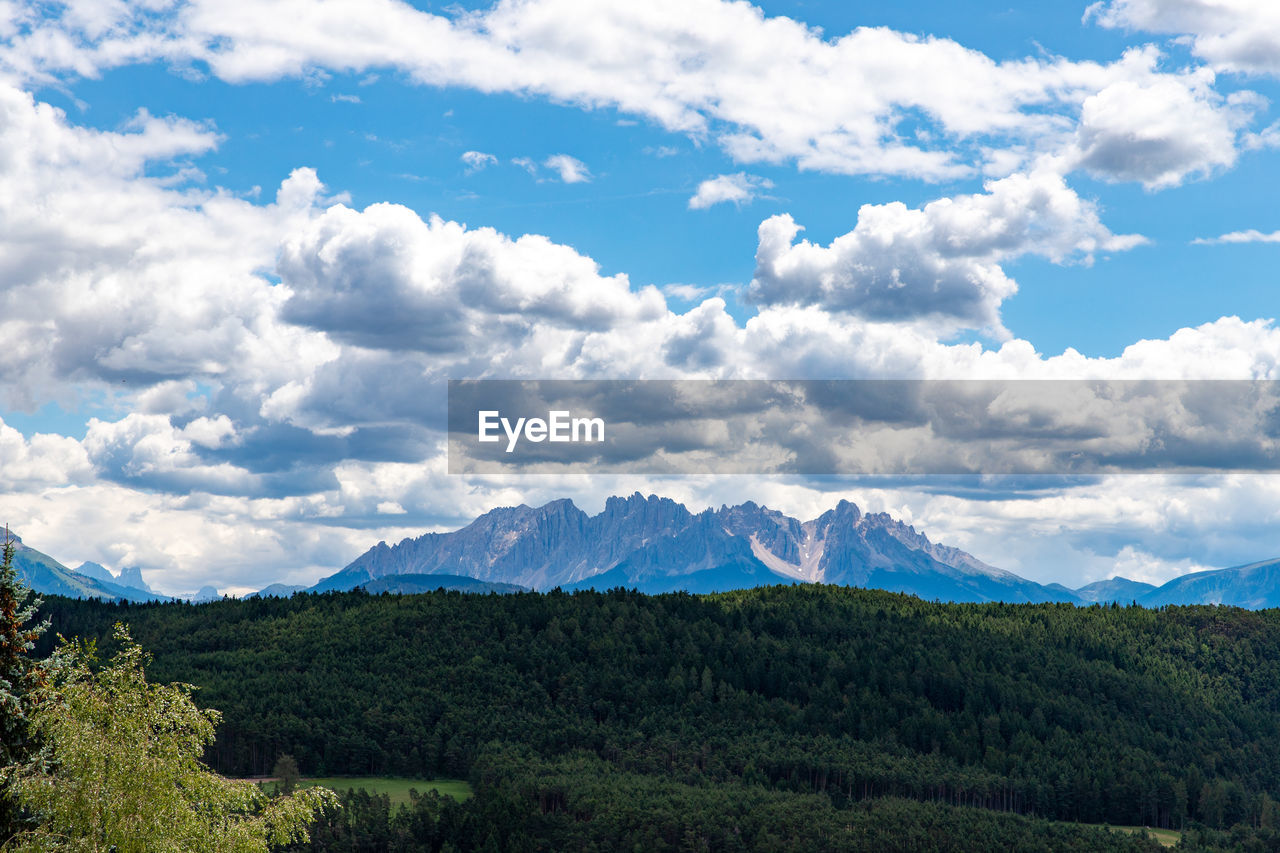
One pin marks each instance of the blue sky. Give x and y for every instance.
(244, 244)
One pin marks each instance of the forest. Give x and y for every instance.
(783, 718)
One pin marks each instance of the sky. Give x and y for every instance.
(244, 244)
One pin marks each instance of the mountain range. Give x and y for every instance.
(657, 545)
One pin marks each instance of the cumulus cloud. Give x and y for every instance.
(148, 451)
(1233, 35)
(739, 188)
(41, 460)
(1160, 131)
(768, 89)
(384, 278)
(570, 169)
(938, 262)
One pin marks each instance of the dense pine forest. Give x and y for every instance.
(787, 718)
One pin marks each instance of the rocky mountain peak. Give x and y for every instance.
(131, 576)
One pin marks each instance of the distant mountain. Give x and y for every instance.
(657, 545)
(1254, 586)
(205, 594)
(1119, 590)
(131, 576)
(97, 571)
(46, 575)
(276, 590)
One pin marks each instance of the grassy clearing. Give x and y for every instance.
(1166, 837)
(396, 787)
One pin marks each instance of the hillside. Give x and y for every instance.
(1102, 715)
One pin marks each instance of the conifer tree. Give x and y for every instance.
(20, 678)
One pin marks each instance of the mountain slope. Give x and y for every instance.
(47, 576)
(657, 545)
(1254, 586)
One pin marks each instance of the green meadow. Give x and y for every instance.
(396, 787)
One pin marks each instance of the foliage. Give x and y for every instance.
(124, 770)
(21, 676)
(972, 714)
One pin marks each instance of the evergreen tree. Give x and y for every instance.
(286, 770)
(20, 677)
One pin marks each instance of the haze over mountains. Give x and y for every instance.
(657, 545)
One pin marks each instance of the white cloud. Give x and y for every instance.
(688, 292)
(181, 542)
(570, 169)
(940, 262)
(41, 460)
(211, 433)
(384, 278)
(1233, 35)
(767, 89)
(114, 279)
(1252, 235)
(344, 99)
(148, 451)
(477, 160)
(1160, 131)
(739, 188)
(1138, 565)
(175, 397)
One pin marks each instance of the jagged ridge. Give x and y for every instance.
(656, 544)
